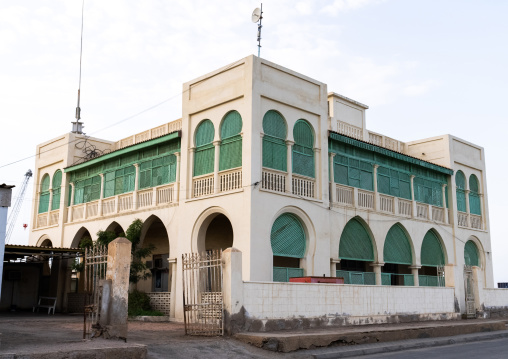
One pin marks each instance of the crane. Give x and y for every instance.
(11, 220)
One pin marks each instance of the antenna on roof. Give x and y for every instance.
(77, 127)
(257, 16)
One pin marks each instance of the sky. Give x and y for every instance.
(424, 68)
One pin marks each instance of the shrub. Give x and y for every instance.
(139, 305)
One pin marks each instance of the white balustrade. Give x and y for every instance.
(365, 199)
(375, 139)
(391, 144)
(405, 207)
(462, 219)
(78, 212)
(92, 209)
(476, 221)
(386, 203)
(109, 206)
(273, 180)
(202, 186)
(165, 194)
(42, 220)
(230, 179)
(437, 214)
(344, 195)
(145, 198)
(149, 134)
(422, 211)
(125, 202)
(143, 136)
(350, 130)
(53, 217)
(303, 186)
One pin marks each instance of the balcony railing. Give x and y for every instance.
(476, 221)
(365, 199)
(230, 179)
(42, 220)
(350, 130)
(438, 214)
(202, 186)
(386, 203)
(344, 195)
(53, 217)
(303, 186)
(422, 211)
(462, 219)
(405, 208)
(149, 134)
(274, 180)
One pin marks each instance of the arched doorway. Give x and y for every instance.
(219, 234)
(116, 228)
(432, 256)
(398, 257)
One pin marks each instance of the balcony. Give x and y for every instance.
(468, 220)
(278, 181)
(227, 180)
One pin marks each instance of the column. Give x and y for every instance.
(289, 179)
(376, 194)
(467, 209)
(50, 202)
(232, 289)
(136, 186)
(190, 170)
(318, 192)
(333, 187)
(414, 271)
(445, 214)
(172, 301)
(176, 195)
(413, 202)
(216, 184)
(101, 195)
(377, 271)
(69, 214)
(449, 273)
(333, 266)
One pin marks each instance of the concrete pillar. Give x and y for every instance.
(318, 192)
(69, 215)
(477, 287)
(50, 202)
(101, 196)
(190, 187)
(216, 184)
(377, 271)
(376, 194)
(289, 179)
(136, 187)
(449, 275)
(333, 187)
(232, 289)
(445, 214)
(5, 203)
(176, 196)
(172, 303)
(414, 271)
(333, 266)
(114, 320)
(413, 202)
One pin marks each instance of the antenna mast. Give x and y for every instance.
(257, 16)
(77, 127)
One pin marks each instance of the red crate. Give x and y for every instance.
(311, 279)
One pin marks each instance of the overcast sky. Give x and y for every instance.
(425, 68)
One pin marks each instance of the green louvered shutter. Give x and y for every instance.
(205, 152)
(355, 243)
(274, 145)
(397, 249)
(341, 172)
(303, 151)
(79, 189)
(474, 197)
(288, 237)
(57, 183)
(432, 251)
(109, 184)
(231, 142)
(383, 180)
(460, 182)
(44, 195)
(471, 254)
(145, 174)
(95, 188)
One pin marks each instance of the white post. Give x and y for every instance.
(333, 266)
(5, 203)
(414, 271)
(232, 288)
(177, 178)
(50, 202)
(377, 272)
(333, 187)
(216, 184)
(289, 180)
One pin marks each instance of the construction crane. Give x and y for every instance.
(11, 220)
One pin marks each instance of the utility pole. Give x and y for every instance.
(5, 203)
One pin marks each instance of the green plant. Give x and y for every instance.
(139, 270)
(139, 305)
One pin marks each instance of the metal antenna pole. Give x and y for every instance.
(259, 31)
(77, 127)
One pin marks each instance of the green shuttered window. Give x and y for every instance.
(120, 181)
(471, 254)
(274, 145)
(87, 190)
(394, 183)
(56, 186)
(353, 172)
(44, 195)
(205, 151)
(231, 142)
(303, 149)
(288, 237)
(397, 249)
(428, 191)
(474, 196)
(432, 250)
(460, 182)
(157, 172)
(355, 243)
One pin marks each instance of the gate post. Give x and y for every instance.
(119, 260)
(232, 289)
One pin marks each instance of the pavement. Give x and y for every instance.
(41, 336)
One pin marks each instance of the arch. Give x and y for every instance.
(231, 141)
(56, 187)
(44, 241)
(460, 183)
(397, 248)
(199, 232)
(44, 194)
(115, 227)
(471, 254)
(288, 237)
(432, 253)
(274, 145)
(355, 242)
(474, 195)
(204, 156)
(80, 234)
(303, 149)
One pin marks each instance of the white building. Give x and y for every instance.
(249, 165)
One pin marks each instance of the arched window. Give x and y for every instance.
(471, 257)
(231, 141)
(397, 256)
(474, 196)
(432, 254)
(274, 145)
(56, 186)
(205, 153)
(460, 182)
(288, 246)
(303, 149)
(44, 194)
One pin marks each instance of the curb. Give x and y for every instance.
(424, 343)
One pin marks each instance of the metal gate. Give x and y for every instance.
(202, 293)
(96, 261)
(469, 290)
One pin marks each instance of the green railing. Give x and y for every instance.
(397, 279)
(360, 278)
(431, 281)
(282, 274)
